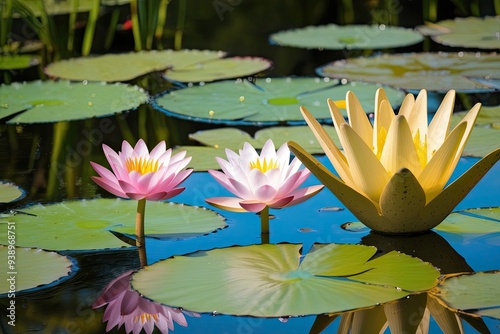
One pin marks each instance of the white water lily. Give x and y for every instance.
(393, 174)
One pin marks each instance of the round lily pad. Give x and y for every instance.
(466, 32)
(218, 69)
(127, 66)
(18, 62)
(485, 136)
(217, 140)
(50, 101)
(476, 293)
(86, 224)
(475, 221)
(9, 192)
(266, 101)
(29, 268)
(270, 280)
(438, 72)
(335, 37)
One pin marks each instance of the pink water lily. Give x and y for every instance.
(125, 306)
(140, 174)
(261, 181)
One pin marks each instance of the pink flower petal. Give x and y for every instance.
(226, 203)
(303, 194)
(107, 185)
(158, 150)
(281, 202)
(241, 190)
(253, 206)
(141, 149)
(265, 193)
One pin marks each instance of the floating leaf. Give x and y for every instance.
(86, 224)
(485, 136)
(126, 66)
(477, 294)
(268, 101)
(18, 62)
(348, 37)
(50, 101)
(10, 192)
(218, 140)
(476, 221)
(218, 69)
(433, 71)
(31, 268)
(467, 32)
(270, 281)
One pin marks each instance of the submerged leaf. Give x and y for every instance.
(18, 62)
(269, 281)
(86, 224)
(50, 101)
(31, 268)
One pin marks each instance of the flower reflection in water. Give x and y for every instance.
(125, 306)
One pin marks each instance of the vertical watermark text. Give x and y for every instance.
(11, 272)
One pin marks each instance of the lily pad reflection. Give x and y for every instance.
(335, 37)
(438, 72)
(86, 224)
(266, 101)
(31, 268)
(271, 281)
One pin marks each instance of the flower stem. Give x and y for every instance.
(139, 232)
(264, 225)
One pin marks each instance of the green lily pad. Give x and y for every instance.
(50, 101)
(31, 268)
(218, 69)
(270, 281)
(9, 192)
(477, 294)
(267, 101)
(127, 66)
(438, 72)
(86, 224)
(18, 62)
(485, 136)
(334, 37)
(475, 221)
(217, 140)
(467, 32)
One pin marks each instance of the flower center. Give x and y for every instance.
(264, 165)
(144, 317)
(142, 165)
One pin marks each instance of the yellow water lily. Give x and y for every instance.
(393, 174)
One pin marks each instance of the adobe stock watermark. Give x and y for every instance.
(11, 273)
(223, 6)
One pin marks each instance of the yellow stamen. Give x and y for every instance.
(381, 137)
(341, 104)
(421, 148)
(142, 165)
(264, 165)
(145, 317)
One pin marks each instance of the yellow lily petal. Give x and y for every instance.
(418, 117)
(399, 150)
(358, 119)
(345, 323)
(440, 123)
(439, 208)
(437, 172)
(362, 207)
(367, 172)
(336, 157)
(470, 120)
(446, 319)
(383, 118)
(405, 314)
(407, 105)
(423, 327)
(401, 203)
(321, 322)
